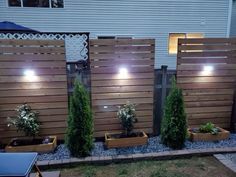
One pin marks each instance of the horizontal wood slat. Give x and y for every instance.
(110, 90)
(208, 94)
(128, 42)
(46, 93)
(123, 56)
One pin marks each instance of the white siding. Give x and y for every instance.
(139, 18)
(233, 20)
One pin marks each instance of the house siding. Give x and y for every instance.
(233, 20)
(137, 18)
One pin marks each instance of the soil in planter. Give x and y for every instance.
(122, 135)
(36, 141)
(196, 130)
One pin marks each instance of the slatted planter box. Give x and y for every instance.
(222, 135)
(49, 147)
(111, 142)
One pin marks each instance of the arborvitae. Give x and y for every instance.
(174, 125)
(79, 135)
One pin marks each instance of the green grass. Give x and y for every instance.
(193, 167)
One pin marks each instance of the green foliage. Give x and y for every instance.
(127, 115)
(79, 135)
(209, 128)
(26, 120)
(174, 125)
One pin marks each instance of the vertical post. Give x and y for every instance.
(233, 115)
(163, 90)
(160, 91)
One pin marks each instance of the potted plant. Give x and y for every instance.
(208, 132)
(27, 122)
(127, 138)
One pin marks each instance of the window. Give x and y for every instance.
(36, 3)
(173, 40)
(14, 3)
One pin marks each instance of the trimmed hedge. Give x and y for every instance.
(79, 135)
(174, 125)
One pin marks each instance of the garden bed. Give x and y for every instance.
(153, 145)
(116, 140)
(198, 136)
(32, 145)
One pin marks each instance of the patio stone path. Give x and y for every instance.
(229, 160)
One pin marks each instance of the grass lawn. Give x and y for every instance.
(193, 167)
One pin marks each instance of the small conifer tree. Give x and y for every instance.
(174, 125)
(79, 135)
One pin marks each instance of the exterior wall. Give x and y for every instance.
(233, 20)
(138, 18)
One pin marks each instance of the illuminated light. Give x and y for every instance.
(30, 75)
(123, 73)
(208, 68)
(105, 107)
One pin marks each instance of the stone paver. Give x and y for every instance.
(227, 162)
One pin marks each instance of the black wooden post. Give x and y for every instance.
(160, 92)
(233, 115)
(164, 86)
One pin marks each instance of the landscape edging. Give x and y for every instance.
(133, 157)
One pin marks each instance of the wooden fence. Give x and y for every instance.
(206, 71)
(46, 92)
(109, 88)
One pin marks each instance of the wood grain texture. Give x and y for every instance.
(47, 93)
(208, 95)
(109, 90)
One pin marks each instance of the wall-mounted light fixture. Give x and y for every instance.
(207, 70)
(123, 73)
(30, 75)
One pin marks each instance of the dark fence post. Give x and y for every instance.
(164, 87)
(160, 92)
(233, 115)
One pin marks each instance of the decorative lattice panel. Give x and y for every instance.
(76, 45)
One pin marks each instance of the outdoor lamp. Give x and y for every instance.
(123, 73)
(30, 75)
(208, 68)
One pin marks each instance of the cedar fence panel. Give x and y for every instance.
(109, 90)
(206, 71)
(47, 94)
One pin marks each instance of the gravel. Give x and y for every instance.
(153, 145)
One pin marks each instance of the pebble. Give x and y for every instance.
(153, 145)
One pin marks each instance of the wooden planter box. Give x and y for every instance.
(33, 148)
(223, 134)
(125, 142)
